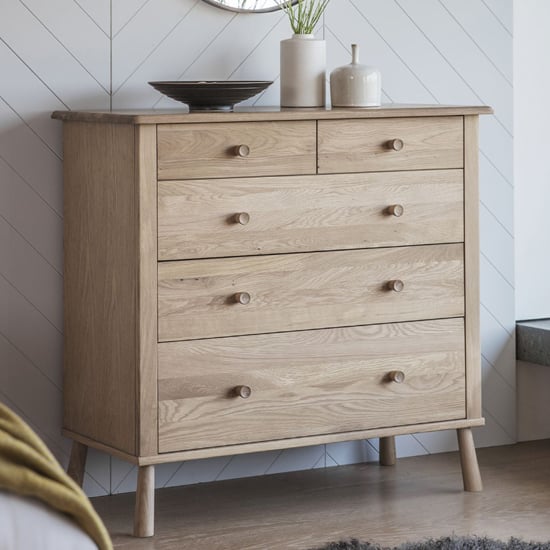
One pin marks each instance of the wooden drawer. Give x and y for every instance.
(197, 298)
(366, 145)
(310, 382)
(212, 150)
(199, 218)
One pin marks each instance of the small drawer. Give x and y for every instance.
(390, 144)
(232, 296)
(257, 388)
(249, 216)
(219, 150)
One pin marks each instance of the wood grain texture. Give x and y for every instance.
(308, 213)
(208, 150)
(295, 442)
(100, 242)
(250, 114)
(132, 458)
(316, 290)
(362, 145)
(144, 513)
(146, 223)
(471, 266)
(322, 251)
(332, 380)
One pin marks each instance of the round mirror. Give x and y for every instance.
(248, 5)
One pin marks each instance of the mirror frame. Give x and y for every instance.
(244, 10)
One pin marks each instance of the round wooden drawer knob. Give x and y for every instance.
(241, 217)
(397, 376)
(395, 144)
(242, 391)
(396, 285)
(242, 151)
(242, 298)
(396, 210)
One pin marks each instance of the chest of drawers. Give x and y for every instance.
(256, 280)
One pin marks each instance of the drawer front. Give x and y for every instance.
(219, 150)
(224, 297)
(310, 382)
(390, 144)
(239, 217)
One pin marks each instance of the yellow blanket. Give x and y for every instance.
(28, 468)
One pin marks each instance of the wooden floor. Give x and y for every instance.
(420, 497)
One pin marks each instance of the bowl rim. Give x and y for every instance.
(200, 83)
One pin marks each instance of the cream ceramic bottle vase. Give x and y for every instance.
(303, 71)
(355, 85)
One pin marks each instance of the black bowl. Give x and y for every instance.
(211, 95)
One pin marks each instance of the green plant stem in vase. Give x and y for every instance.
(305, 14)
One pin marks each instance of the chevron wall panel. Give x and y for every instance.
(84, 54)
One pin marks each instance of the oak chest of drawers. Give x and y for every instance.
(255, 280)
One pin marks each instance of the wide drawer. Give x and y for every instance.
(390, 144)
(310, 382)
(231, 296)
(238, 149)
(248, 216)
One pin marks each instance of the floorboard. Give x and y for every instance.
(420, 497)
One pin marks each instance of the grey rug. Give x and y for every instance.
(446, 543)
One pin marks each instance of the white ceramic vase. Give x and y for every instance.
(355, 85)
(303, 71)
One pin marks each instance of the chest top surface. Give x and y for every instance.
(267, 113)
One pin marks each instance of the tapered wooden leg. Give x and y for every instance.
(77, 462)
(468, 461)
(387, 451)
(144, 518)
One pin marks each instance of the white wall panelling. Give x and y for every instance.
(532, 119)
(86, 54)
